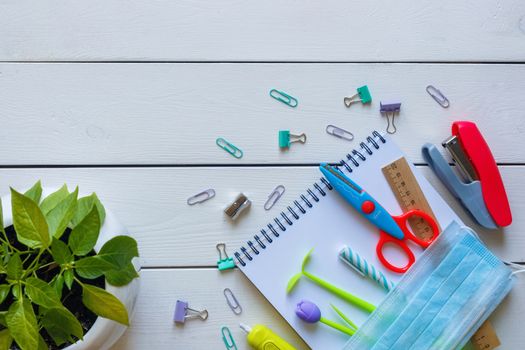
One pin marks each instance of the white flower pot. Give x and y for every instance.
(104, 333)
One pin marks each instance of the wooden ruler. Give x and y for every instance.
(409, 195)
(485, 338)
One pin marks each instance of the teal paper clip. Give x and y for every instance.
(362, 95)
(285, 138)
(224, 262)
(284, 98)
(227, 338)
(229, 147)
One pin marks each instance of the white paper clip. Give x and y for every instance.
(201, 197)
(338, 132)
(438, 96)
(232, 301)
(274, 197)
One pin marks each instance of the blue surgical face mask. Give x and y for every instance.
(442, 300)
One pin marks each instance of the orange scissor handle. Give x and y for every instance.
(402, 221)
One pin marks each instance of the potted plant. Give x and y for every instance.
(67, 273)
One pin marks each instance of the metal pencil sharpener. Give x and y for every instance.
(240, 204)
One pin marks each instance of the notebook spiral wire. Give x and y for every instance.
(274, 229)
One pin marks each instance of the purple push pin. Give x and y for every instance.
(390, 109)
(310, 313)
(182, 312)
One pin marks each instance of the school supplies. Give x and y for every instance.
(227, 338)
(389, 109)
(274, 197)
(355, 261)
(235, 209)
(310, 313)
(232, 301)
(340, 133)
(392, 229)
(362, 95)
(184, 312)
(442, 300)
(201, 197)
(283, 97)
(262, 338)
(322, 219)
(229, 147)
(438, 96)
(481, 188)
(349, 297)
(409, 195)
(286, 139)
(224, 262)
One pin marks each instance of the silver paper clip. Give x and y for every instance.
(240, 204)
(438, 96)
(274, 197)
(338, 132)
(201, 197)
(232, 301)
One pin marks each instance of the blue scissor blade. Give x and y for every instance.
(356, 196)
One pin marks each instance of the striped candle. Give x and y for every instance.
(358, 263)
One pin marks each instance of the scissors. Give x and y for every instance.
(392, 229)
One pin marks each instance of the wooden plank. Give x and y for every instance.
(172, 113)
(230, 30)
(152, 326)
(152, 203)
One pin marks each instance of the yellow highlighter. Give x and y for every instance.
(262, 338)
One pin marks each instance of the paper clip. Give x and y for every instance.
(240, 204)
(274, 197)
(364, 97)
(227, 338)
(438, 96)
(338, 132)
(285, 138)
(182, 313)
(229, 147)
(232, 301)
(224, 262)
(390, 109)
(201, 197)
(284, 98)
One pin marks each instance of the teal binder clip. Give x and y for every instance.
(284, 98)
(285, 138)
(225, 262)
(362, 95)
(229, 147)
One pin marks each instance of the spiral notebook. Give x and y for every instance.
(323, 220)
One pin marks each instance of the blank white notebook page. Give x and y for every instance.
(329, 225)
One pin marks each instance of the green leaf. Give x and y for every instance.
(60, 216)
(121, 277)
(42, 345)
(119, 251)
(35, 192)
(61, 324)
(17, 291)
(58, 284)
(104, 304)
(4, 292)
(92, 267)
(53, 199)
(42, 293)
(60, 252)
(85, 235)
(21, 322)
(2, 318)
(14, 268)
(68, 278)
(5, 339)
(29, 221)
(85, 204)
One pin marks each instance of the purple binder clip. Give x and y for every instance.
(389, 109)
(182, 312)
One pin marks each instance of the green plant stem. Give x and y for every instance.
(35, 262)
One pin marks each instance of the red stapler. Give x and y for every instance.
(482, 191)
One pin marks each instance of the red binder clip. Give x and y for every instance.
(484, 194)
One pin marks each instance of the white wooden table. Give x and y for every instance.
(127, 99)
